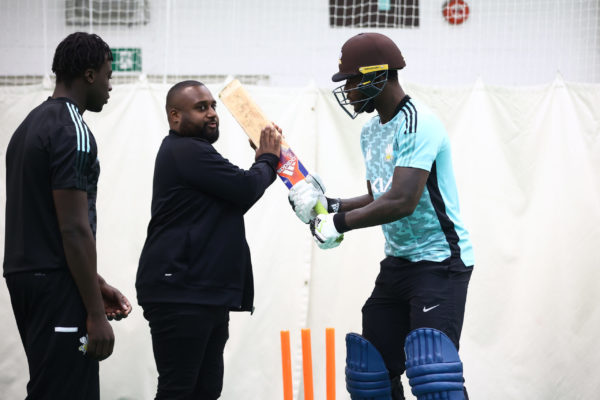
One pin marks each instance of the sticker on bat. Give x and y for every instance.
(290, 169)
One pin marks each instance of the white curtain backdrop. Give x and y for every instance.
(527, 163)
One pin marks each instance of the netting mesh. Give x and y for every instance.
(272, 42)
(374, 13)
(92, 13)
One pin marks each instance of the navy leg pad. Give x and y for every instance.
(433, 367)
(367, 377)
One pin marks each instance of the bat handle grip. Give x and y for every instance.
(320, 208)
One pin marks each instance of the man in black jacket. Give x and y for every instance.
(195, 265)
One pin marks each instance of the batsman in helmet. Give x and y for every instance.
(413, 319)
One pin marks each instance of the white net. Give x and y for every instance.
(86, 13)
(273, 42)
(374, 13)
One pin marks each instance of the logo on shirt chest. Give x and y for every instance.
(379, 186)
(388, 153)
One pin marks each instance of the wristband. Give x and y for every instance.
(339, 221)
(333, 205)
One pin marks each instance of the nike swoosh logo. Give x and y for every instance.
(427, 309)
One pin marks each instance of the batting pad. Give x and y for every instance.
(433, 367)
(366, 375)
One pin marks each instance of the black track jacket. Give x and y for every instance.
(196, 250)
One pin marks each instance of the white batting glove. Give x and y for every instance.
(324, 232)
(304, 195)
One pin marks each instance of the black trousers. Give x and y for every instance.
(51, 319)
(188, 342)
(415, 295)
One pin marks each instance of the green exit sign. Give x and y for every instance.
(127, 60)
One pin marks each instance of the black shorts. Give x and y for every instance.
(51, 320)
(415, 295)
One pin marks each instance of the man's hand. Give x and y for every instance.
(304, 195)
(270, 141)
(116, 304)
(324, 232)
(101, 339)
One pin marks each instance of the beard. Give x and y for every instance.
(367, 106)
(187, 128)
(370, 106)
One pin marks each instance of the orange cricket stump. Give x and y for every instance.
(286, 365)
(330, 362)
(307, 365)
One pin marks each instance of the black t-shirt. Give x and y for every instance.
(53, 148)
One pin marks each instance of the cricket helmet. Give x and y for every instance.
(370, 55)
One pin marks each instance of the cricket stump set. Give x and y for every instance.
(286, 364)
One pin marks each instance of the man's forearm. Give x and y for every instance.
(265, 175)
(355, 202)
(381, 212)
(80, 251)
(398, 202)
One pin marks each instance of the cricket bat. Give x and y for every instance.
(250, 117)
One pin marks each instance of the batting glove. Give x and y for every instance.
(304, 195)
(324, 232)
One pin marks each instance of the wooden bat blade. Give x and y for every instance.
(251, 118)
(245, 111)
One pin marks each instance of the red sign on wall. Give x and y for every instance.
(455, 11)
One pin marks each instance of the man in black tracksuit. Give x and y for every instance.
(195, 265)
(60, 302)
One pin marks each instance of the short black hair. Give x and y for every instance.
(78, 52)
(178, 87)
